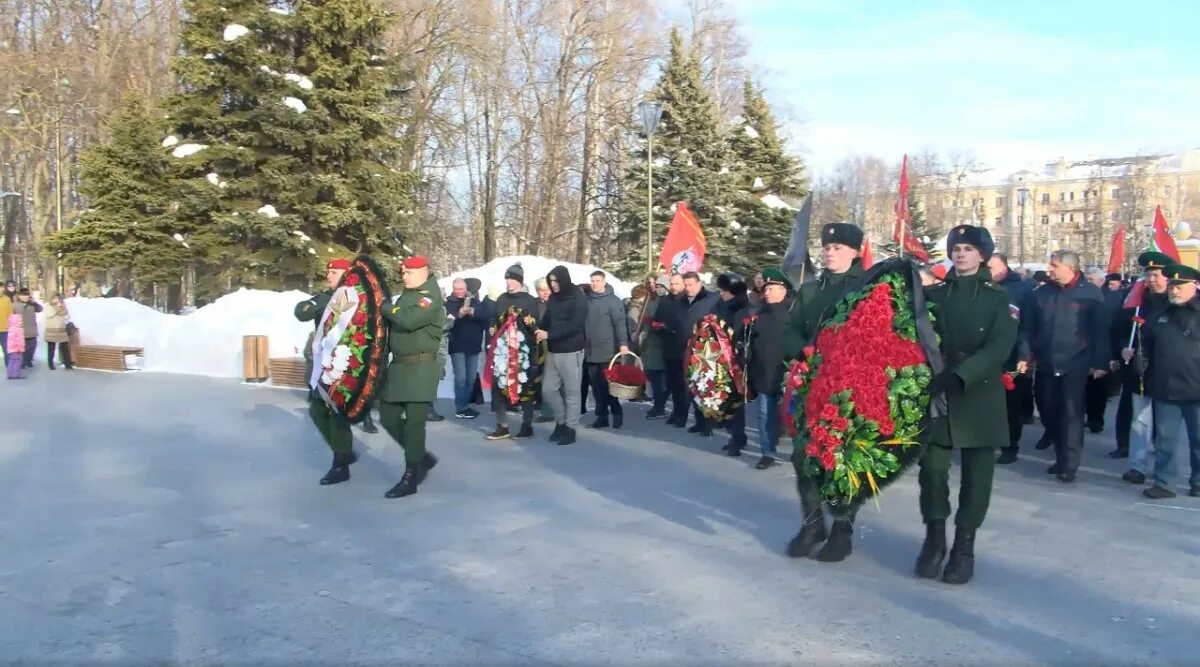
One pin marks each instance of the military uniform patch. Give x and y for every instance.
(1014, 311)
(425, 302)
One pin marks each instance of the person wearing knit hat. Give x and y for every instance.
(333, 427)
(416, 321)
(840, 247)
(516, 298)
(978, 331)
(515, 272)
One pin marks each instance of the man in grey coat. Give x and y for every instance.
(607, 333)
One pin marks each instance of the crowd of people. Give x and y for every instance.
(19, 330)
(1064, 340)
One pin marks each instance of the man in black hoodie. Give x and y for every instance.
(525, 303)
(733, 307)
(562, 327)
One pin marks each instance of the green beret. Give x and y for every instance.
(775, 277)
(1178, 274)
(1154, 260)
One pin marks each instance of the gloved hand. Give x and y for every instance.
(945, 382)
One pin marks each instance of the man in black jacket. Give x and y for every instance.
(1067, 332)
(563, 327)
(1172, 342)
(734, 307)
(525, 303)
(696, 302)
(1019, 295)
(1135, 421)
(763, 344)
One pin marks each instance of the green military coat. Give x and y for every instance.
(310, 310)
(814, 301)
(977, 332)
(415, 329)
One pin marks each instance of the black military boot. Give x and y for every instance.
(618, 419)
(961, 566)
(340, 470)
(812, 532)
(933, 552)
(427, 464)
(567, 437)
(557, 433)
(368, 424)
(408, 483)
(840, 542)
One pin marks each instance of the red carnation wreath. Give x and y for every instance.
(713, 374)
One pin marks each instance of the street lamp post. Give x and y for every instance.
(1022, 197)
(651, 113)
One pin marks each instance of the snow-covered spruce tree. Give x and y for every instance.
(690, 164)
(281, 138)
(766, 174)
(124, 182)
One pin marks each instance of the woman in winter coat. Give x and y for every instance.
(28, 309)
(650, 346)
(57, 317)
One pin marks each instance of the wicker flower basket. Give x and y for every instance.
(624, 391)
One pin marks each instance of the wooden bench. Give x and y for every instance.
(103, 357)
(288, 372)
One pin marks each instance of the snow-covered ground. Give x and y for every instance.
(206, 342)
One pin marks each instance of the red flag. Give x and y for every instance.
(683, 249)
(867, 260)
(1134, 298)
(910, 245)
(1162, 236)
(1116, 254)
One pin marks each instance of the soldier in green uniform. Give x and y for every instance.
(415, 318)
(841, 244)
(977, 331)
(332, 426)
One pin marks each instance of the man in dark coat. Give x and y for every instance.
(332, 426)
(1019, 294)
(978, 330)
(668, 325)
(524, 303)
(697, 303)
(415, 328)
(1135, 421)
(841, 244)
(1172, 352)
(471, 320)
(607, 335)
(1067, 333)
(761, 336)
(734, 307)
(563, 329)
(1099, 389)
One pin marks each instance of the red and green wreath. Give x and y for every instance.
(350, 368)
(860, 395)
(714, 375)
(513, 360)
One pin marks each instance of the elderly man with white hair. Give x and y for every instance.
(1067, 332)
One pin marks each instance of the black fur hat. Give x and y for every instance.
(732, 283)
(843, 233)
(977, 237)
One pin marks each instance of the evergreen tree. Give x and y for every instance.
(124, 181)
(917, 224)
(765, 172)
(691, 164)
(281, 139)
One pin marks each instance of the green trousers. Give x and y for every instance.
(975, 490)
(333, 427)
(405, 422)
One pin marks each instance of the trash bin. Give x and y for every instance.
(254, 358)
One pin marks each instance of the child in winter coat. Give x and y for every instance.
(16, 348)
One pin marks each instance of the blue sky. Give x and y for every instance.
(1016, 82)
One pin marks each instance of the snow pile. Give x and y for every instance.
(300, 80)
(294, 104)
(170, 141)
(184, 150)
(750, 132)
(206, 342)
(492, 274)
(774, 201)
(282, 11)
(235, 31)
(269, 211)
